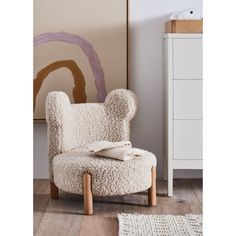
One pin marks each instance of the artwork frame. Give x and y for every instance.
(71, 38)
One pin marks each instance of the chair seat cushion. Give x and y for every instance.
(109, 177)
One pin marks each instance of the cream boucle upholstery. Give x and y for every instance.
(109, 177)
(71, 126)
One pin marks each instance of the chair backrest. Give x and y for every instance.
(74, 125)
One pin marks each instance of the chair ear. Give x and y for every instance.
(121, 103)
(57, 104)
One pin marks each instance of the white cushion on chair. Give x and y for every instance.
(109, 177)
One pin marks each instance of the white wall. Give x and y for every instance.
(40, 151)
(147, 26)
(146, 79)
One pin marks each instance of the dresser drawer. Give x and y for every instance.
(187, 99)
(187, 58)
(187, 139)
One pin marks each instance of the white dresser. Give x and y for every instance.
(183, 77)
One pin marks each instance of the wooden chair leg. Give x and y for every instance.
(88, 197)
(53, 190)
(152, 198)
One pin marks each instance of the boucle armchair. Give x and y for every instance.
(73, 169)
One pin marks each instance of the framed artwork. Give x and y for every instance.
(80, 47)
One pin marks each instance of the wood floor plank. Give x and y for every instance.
(162, 188)
(187, 201)
(197, 188)
(138, 203)
(40, 205)
(108, 206)
(64, 216)
(99, 226)
(41, 186)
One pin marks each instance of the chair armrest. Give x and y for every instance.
(59, 125)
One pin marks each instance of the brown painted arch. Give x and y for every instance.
(79, 93)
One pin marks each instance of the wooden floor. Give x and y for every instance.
(64, 216)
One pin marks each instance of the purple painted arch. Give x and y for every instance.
(87, 49)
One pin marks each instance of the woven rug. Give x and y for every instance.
(159, 225)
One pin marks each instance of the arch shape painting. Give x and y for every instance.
(87, 49)
(98, 66)
(79, 93)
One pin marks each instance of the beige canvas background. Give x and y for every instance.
(103, 23)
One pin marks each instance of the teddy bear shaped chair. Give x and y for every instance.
(76, 170)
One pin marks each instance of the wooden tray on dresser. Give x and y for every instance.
(184, 26)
